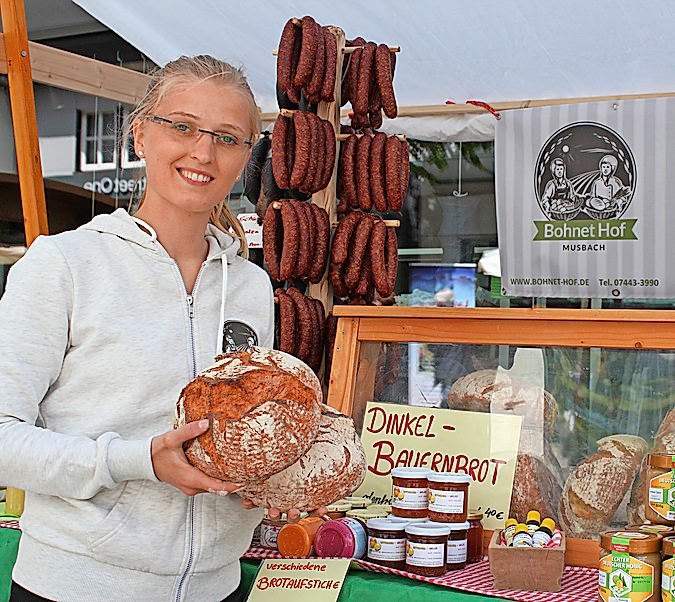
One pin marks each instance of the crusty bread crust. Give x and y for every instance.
(536, 486)
(496, 392)
(264, 410)
(596, 487)
(333, 467)
(664, 443)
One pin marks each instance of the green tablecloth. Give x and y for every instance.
(361, 585)
(9, 544)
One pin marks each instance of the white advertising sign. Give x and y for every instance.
(583, 199)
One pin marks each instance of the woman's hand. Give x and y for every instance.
(172, 467)
(293, 514)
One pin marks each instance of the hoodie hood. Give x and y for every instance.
(120, 223)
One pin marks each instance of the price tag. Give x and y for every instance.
(252, 229)
(299, 580)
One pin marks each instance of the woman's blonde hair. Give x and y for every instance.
(196, 69)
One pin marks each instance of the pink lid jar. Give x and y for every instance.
(341, 538)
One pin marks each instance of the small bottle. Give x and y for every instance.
(510, 530)
(533, 521)
(543, 534)
(522, 538)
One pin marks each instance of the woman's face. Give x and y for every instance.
(559, 171)
(606, 168)
(190, 172)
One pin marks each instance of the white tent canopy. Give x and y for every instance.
(490, 50)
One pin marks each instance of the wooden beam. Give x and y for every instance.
(22, 104)
(77, 73)
(462, 109)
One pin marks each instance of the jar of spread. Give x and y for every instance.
(366, 514)
(341, 538)
(457, 545)
(630, 566)
(412, 521)
(668, 570)
(426, 549)
(662, 530)
(474, 550)
(295, 540)
(356, 502)
(386, 508)
(386, 542)
(410, 496)
(448, 496)
(338, 509)
(660, 491)
(269, 531)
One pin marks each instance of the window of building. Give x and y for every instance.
(98, 141)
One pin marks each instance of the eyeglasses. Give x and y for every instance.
(189, 132)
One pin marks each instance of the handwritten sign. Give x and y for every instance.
(299, 580)
(252, 229)
(484, 446)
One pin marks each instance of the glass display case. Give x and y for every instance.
(593, 388)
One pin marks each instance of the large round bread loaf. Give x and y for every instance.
(597, 486)
(496, 392)
(333, 467)
(536, 486)
(264, 410)
(664, 443)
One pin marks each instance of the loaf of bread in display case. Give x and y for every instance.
(496, 392)
(538, 482)
(664, 443)
(595, 488)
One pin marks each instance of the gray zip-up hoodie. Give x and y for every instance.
(98, 337)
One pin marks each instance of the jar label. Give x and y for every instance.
(625, 578)
(410, 498)
(269, 535)
(425, 554)
(450, 502)
(391, 550)
(255, 540)
(360, 539)
(662, 495)
(668, 581)
(456, 551)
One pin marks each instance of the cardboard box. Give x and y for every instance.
(531, 569)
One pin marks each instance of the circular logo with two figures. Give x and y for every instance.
(585, 171)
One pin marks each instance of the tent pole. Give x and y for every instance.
(22, 102)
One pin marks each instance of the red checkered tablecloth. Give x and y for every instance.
(9, 524)
(579, 584)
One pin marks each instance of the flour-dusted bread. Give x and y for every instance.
(596, 487)
(664, 443)
(264, 410)
(496, 392)
(537, 485)
(333, 468)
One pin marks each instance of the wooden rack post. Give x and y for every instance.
(22, 103)
(327, 198)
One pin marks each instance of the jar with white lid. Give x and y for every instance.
(448, 496)
(409, 492)
(426, 549)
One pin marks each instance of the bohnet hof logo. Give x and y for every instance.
(584, 181)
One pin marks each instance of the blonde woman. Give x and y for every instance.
(102, 327)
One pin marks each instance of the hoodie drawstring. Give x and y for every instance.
(221, 327)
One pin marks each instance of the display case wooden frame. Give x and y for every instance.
(619, 329)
